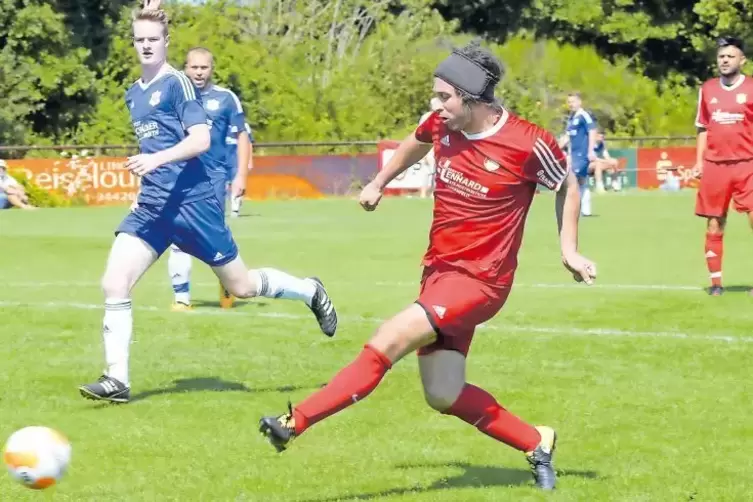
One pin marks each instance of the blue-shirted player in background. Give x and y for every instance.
(581, 136)
(236, 198)
(225, 164)
(176, 204)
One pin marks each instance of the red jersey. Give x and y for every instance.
(485, 184)
(726, 112)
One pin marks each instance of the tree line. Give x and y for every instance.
(319, 70)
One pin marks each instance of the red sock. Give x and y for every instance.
(480, 409)
(714, 252)
(351, 384)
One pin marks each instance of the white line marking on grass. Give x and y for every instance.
(626, 287)
(552, 330)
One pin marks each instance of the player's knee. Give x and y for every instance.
(115, 285)
(440, 398)
(715, 226)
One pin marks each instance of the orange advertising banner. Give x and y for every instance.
(104, 180)
(100, 180)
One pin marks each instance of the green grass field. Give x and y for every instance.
(645, 377)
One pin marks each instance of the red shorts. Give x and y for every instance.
(456, 303)
(722, 183)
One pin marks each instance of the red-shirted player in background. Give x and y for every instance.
(488, 165)
(724, 151)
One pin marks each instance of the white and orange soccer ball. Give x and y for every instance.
(37, 457)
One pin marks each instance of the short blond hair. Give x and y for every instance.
(154, 15)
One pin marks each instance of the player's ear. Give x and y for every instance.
(167, 40)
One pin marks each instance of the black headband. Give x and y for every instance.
(468, 76)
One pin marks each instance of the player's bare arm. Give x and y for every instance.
(567, 208)
(592, 145)
(194, 144)
(700, 151)
(238, 186)
(563, 141)
(407, 154)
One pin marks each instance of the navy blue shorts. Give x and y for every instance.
(580, 166)
(197, 228)
(220, 190)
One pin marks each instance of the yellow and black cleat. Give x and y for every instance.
(181, 307)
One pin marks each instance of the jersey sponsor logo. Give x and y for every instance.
(459, 182)
(545, 180)
(213, 105)
(741, 98)
(154, 100)
(727, 118)
(146, 130)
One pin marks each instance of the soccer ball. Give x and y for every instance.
(37, 457)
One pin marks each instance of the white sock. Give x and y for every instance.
(235, 204)
(117, 329)
(179, 268)
(273, 283)
(585, 200)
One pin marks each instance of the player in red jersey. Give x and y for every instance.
(724, 151)
(489, 163)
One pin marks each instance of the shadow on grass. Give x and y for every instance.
(215, 384)
(472, 476)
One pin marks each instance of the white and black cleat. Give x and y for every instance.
(323, 309)
(106, 389)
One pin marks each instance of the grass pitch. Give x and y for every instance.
(645, 378)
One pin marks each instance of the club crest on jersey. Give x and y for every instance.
(490, 165)
(154, 100)
(742, 98)
(213, 105)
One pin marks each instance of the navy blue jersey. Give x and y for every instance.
(226, 120)
(578, 126)
(161, 112)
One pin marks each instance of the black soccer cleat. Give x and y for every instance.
(323, 309)
(716, 291)
(279, 431)
(106, 389)
(541, 459)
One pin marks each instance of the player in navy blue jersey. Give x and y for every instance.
(176, 205)
(227, 122)
(233, 161)
(581, 136)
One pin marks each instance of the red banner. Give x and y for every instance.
(655, 163)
